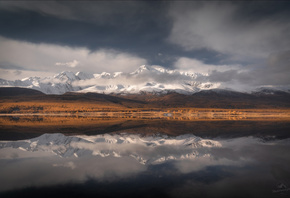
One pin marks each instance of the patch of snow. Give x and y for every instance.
(119, 82)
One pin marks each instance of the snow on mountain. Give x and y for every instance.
(156, 69)
(66, 76)
(146, 150)
(271, 91)
(84, 76)
(145, 79)
(154, 79)
(221, 92)
(58, 84)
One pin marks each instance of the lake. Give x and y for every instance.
(91, 156)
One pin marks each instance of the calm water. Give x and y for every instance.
(194, 159)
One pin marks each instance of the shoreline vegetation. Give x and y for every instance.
(25, 126)
(27, 115)
(105, 109)
(182, 114)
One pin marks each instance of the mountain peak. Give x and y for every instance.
(151, 79)
(154, 68)
(65, 75)
(84, 76)
(270, 91)
(142, 68)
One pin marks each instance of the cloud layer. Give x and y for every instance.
(242, 43)
(225, 28)
(55, 58)
(72, 64)
(194, 65)
(274, 72)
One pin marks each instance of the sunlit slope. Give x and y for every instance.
(20, 100)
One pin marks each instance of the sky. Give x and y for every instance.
(237, 42)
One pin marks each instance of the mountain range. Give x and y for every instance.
(146, 150)
(147, 87)
(150, 79)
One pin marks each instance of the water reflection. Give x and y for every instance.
(145, 150)
(26, 127)
(136, 165)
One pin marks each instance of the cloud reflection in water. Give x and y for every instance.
(55, 159)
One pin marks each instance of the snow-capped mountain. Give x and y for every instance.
(261, 91)
(58, 84)
(146, 150)
(145, 79)
(154, 79)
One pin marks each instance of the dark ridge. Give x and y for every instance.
(222, 93)
(103, 97)
(270, 92)
(18, 91)
(216, 98)
(204, 99)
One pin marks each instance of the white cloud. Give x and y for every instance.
(12, 74)
(69, 164)
(219, 26)
(194, 65)
(138, 80)
(45, 57)
(72, 64)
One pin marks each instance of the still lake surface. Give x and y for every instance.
(44, 156)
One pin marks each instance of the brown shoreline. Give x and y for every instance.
(170, 114)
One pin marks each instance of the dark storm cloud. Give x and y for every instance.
(133, 27)
(4, 65)
(274, 71)
(246, 31)
(253, 35)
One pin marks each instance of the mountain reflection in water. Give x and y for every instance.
(125, 165)
(19, 127)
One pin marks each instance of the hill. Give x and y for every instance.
(18, 91)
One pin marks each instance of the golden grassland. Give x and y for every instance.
(26, 117)
(115, 119)
(149, 114)
(77, 107)
(77, 113)
(19, 127)
(56, 107)
(20, 119)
